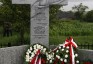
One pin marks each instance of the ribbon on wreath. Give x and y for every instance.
(69, 42)
(37, 60)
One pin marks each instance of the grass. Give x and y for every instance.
(5, 40)
(71, 28)
(82, 32)
(14, 40)
(78, 39)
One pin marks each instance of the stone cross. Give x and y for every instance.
(40, 19)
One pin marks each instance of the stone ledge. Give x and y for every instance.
(15, 55)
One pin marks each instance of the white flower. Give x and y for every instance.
(38, 47)
(63, 46)
(65, 60)
(46, 54)
(62, 49)
(32, 54)
(50, 61)
(77, 61)
(61, 59)
(67, 51)
(59, 47)
(27, 58)
(76, 55)
(34, 46)
(36, 50)
(57, 51)
(27, 53)
(49, 56)
(66, 56)
(58, 56)
(30, 48)
(44, 48)
(53, 54)
(67, 47)
(30, 58)
(41, 47)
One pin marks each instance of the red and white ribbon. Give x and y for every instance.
(35, 60)
(71, 44)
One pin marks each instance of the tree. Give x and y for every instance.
(89, 16)
(18, 15)
(79, 10)
(54, 9)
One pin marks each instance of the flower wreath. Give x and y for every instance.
(63, 54)
(36, 53)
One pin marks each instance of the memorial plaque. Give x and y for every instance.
(40, 25)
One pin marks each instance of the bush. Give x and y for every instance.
(89, 16)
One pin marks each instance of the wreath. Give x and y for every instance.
(63, 54)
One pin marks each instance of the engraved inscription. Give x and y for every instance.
(39, 30)
(40, 14)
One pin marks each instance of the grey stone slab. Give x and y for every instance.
(7, 56)
(13, 55)
(40, 25)
(42, 2)
(85, 55)
(1, 56)
(23, 1)
(20, 55)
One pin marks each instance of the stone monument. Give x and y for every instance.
(40, 19)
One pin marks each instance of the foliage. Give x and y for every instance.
(79, 10)
(53, 11)
(89, 16)
(13, 40)
(71, 28)
(18, 15)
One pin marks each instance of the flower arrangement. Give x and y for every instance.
(63, 54)
(36, 53)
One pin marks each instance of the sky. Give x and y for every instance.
(71, 3)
